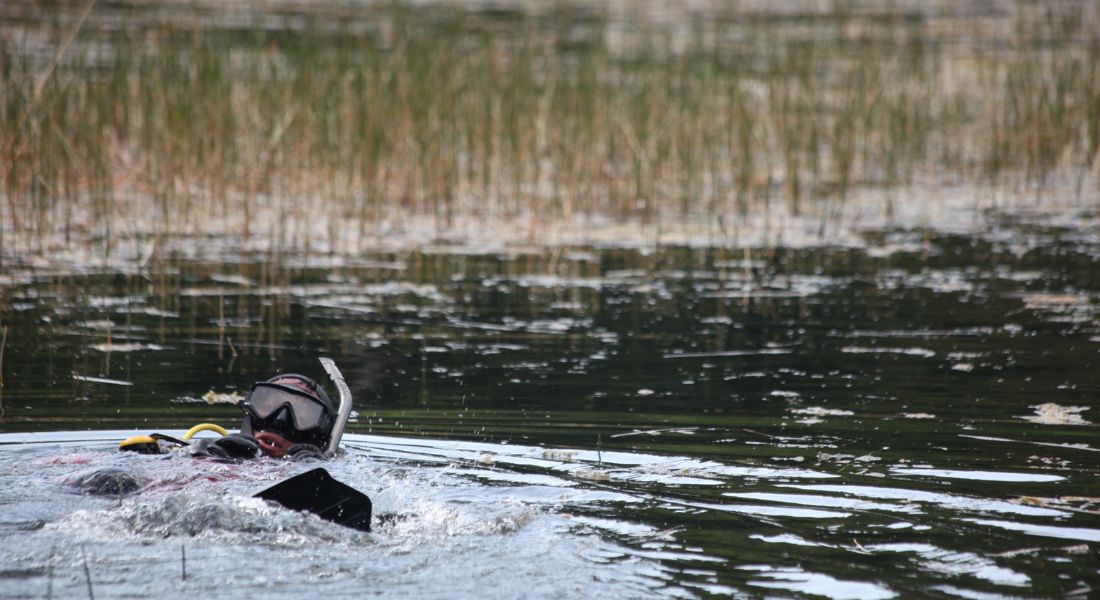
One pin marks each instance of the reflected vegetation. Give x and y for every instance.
(328, 126)
(878, 421)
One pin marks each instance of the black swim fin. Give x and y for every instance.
(317, 492)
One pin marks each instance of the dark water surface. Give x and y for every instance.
(912, 418)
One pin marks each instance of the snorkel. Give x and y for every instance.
(344, 411)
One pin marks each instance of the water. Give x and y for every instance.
(913, 416)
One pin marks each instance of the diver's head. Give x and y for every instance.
(287, 410)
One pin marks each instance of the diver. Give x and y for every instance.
(287, 416)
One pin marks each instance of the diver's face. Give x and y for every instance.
(281, 415)
(277, 433)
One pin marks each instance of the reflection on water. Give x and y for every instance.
(602, 421)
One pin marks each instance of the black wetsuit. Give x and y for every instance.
(242, 446)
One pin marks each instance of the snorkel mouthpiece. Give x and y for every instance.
(273, 444)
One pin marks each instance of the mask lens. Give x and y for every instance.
(307, 413)
(263, 401)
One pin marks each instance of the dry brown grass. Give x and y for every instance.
(186, 124)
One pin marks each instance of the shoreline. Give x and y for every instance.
(850, 222)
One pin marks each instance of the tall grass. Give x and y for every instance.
(262, 128)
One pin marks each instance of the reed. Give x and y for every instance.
(268, 127)
(87, 573)
(3, 345)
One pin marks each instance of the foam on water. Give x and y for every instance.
(451, 535)
(463, 518)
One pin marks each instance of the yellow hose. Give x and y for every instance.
(205, 427)
(139, 443)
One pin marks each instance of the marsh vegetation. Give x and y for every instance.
(329, 125)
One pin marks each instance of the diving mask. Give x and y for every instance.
(291, 405)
